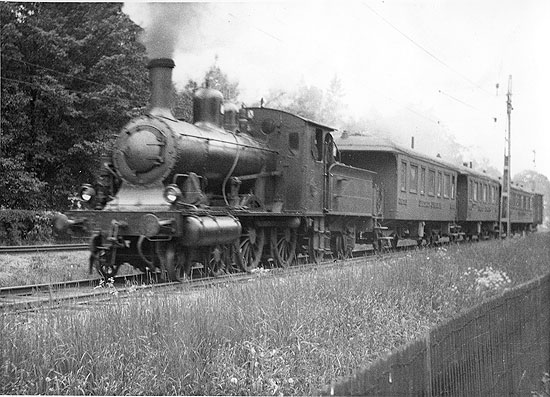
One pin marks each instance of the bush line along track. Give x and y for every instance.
(23, 249)
(79, 293)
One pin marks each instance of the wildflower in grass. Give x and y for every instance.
(234, 380)
(488, 279)
(492, 279)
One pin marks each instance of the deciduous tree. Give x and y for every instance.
(71, 77)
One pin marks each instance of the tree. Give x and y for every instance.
(183, 102)
(311, 102)
(333, 105)
(69, 83)
(218, 80)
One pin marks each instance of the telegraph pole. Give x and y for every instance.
(506, 180)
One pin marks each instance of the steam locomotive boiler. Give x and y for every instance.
(232, 189)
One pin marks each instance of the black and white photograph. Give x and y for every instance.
(272, 198)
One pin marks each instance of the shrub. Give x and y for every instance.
(25, 227)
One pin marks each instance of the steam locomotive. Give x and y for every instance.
(241, 186)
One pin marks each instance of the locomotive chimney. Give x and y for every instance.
(160, 74)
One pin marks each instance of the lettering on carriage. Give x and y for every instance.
(402, 201)
(483, 208)
(429, 204)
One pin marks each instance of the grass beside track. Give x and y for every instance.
(46, 267)
(273, 336)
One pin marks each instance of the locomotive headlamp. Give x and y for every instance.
(172, 193)
(86, 192)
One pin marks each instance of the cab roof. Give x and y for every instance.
(308, 121)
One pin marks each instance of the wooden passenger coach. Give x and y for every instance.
(419, 192)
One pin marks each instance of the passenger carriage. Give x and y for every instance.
(419, 191)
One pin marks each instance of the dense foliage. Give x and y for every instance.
(18, 226)
(69, 82)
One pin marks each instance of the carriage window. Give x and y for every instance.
(403, 176)
(453, 187)
(413, 179)
(439, 183)
(475, 189)
(479, 193)
(447, 186)
(422, 180)
(484, 193)
(431, 182)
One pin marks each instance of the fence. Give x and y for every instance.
(501, 347)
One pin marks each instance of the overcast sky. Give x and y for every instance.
(437, 60)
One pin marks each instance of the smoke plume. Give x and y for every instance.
(168, 26)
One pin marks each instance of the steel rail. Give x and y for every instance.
(20, 249)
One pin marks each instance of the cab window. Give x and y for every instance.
(318, 150)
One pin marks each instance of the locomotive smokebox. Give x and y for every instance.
(160, 75)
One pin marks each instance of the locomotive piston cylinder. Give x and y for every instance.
(210, 230)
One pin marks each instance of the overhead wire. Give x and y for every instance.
(425, 50)
(65, 89)
(273, 36)
(53, 70)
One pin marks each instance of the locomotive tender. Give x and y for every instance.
(241, 186)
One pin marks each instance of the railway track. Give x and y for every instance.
(21, 249)
(81, 293)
